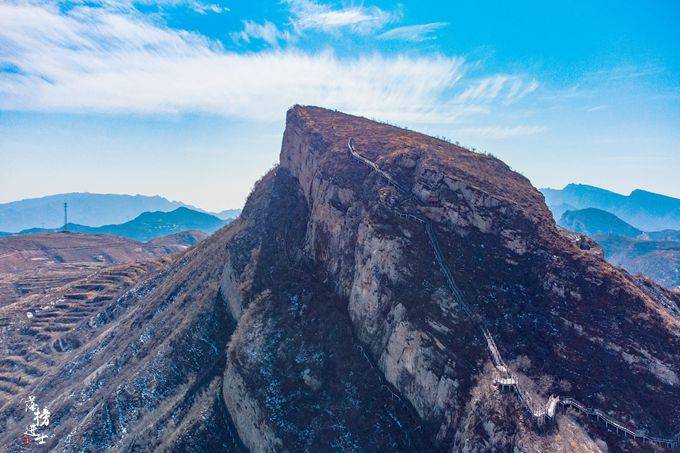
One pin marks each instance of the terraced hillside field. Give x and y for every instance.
(52, 287)
(42, 263)
(38, 331)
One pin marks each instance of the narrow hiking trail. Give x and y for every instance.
(505, 379)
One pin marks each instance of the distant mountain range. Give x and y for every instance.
(663, 235)
(86, 209)
(591, 221)
(644, 210)
(183, 238)
(228, 214)
(639, 232)
(148, 225)
(655, 254)
(658, 260)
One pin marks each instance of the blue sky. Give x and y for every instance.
(187, 98)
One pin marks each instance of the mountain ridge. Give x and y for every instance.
(322, 319)
(655, 254)
(149, 225)
(642, 209)
(593, 221)
(85, 208)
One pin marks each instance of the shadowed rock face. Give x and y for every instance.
(319, 319)
(561, 315)
(146, 371)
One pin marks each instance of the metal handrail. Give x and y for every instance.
(507, 379)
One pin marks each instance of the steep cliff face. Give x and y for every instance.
(296, 377)
(567, 322)
(560, 314)
(322, 318)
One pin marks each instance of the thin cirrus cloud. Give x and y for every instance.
(413, 33)
(199, 6)
(500, 132)
(509, 88)
(267, 32)
(204, 9)
(311, 15)
(308, 15)
(95, 60)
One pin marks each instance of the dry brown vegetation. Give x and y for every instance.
(38, 328)
(320, 319)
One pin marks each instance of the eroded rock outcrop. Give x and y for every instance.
(546, 297)
(341, 333)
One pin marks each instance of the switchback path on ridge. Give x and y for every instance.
(506, 379)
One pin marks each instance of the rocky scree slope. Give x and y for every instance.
(320, 320)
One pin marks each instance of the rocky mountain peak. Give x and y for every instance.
(537, 290)
(381, 290)
(414, 157)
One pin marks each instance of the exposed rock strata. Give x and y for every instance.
(345, 334)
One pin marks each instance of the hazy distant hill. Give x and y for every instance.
(559, 209)
(183, 238)
(150, 225)
(83, 208)
(658, 260)
(228, 214)
(36, 251)
(644, 210)
(593, 221)
(663, 235)
(655, 254)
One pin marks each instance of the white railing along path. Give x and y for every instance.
(506, 379)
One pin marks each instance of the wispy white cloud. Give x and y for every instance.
(312, 15)
(501, 132)
(501, 86)
(596, 108)
(413, 33)
(95, 60)
(624, 72)
(200, 6)
(204, 9)
(524, 90)
(267, 32)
